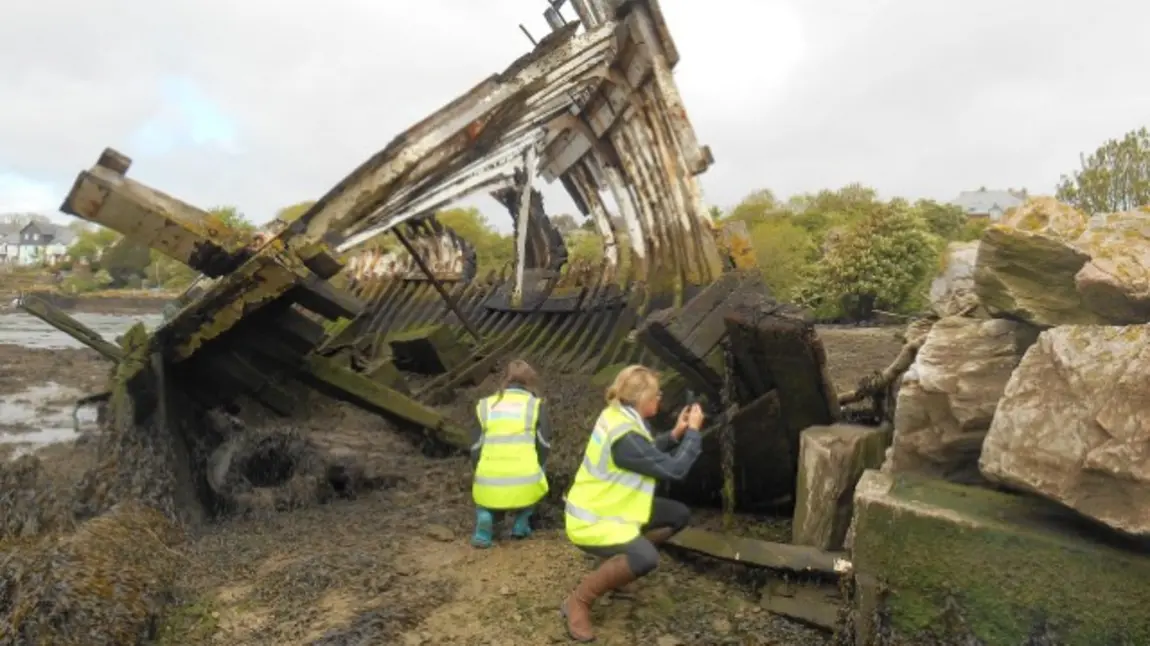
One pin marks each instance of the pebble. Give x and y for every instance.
(440, 533)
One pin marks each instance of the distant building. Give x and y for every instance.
(989, 204)
(34, 243)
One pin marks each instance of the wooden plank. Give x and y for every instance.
(750, 551)
(58, 319)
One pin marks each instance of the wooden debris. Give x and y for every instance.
(57, 318)
(750, 551)
(431, 350)
(813, 603)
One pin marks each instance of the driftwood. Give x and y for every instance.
(879, 382)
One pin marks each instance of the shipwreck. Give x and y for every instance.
(312, 304)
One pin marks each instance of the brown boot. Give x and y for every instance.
(659, 535)
(612, 574)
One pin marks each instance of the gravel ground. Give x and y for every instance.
(393, 566)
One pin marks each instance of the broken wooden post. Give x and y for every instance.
(58, 319)
(447, 298)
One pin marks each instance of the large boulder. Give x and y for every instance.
(831, 461)
(952, 292)
(1027, 264)
(941, 563)
(948, 396)
(1049, 264)
(1115, 282)
(1074, 424)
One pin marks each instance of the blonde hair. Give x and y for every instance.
(519, 372)
(632, 385)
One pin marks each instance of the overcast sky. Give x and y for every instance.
(263, 103)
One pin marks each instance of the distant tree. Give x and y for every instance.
(126, 262)
(21, 219)
(881, 260)
(232, 217)
(944, 220)
(1116, 177)
(493, 250)
(755, 207)
(292, 213)
(91, 243)
(716, 213)
(564, 223)
(784, 252)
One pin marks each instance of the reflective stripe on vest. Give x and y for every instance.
(607, 505)
(508, 475)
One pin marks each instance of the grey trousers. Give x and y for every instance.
(642, 557)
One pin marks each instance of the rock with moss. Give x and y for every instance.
(1074, 424)
(948, 396)
(952, 291)
(1115, 282)
(1027, 264)
(831, 461)
(942, 563)
(1049, 264)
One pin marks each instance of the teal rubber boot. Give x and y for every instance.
(484, 525)
(522, 526)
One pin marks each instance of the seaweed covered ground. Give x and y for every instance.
(392, 564)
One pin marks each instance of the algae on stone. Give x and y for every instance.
(1010, 567)
(1115, 282)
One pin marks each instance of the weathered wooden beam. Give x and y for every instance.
(58, 319)
(751, 551)
(342, 383)
(104, 195)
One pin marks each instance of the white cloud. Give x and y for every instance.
(915, 98)
(22, 195)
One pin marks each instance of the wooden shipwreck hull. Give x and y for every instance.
(313, 303)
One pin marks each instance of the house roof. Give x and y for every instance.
(60, 234)
(984, 201)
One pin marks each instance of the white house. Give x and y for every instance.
(35, 243)
(989, 204)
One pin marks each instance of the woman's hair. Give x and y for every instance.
(633, 384)
(521, 373)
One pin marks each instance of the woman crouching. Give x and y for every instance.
(509, 448)
(612, 511)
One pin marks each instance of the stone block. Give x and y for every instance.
(831, 461)
(954, 564)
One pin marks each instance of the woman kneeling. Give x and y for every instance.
(612, 511)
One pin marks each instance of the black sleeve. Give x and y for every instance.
(543, 434)
(634, 452)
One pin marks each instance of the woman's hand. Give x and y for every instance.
(689, 417)
(695, 417)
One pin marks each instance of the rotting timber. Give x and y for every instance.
(315, 304)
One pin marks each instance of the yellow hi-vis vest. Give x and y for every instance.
(608, 505)
(508, 475)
